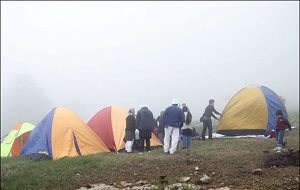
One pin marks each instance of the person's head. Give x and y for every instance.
(185, 109)
(211, 102)
(183, 104)
(175, 102)
(131, 110)
(279, 113)
(144, 105)
(161, 112)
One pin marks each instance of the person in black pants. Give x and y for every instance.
(208, 113)
(144, 121)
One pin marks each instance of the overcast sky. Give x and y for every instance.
(86, 56)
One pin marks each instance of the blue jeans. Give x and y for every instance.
(279, 137)
(186, 141)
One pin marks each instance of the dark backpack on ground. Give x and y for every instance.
(188, 118)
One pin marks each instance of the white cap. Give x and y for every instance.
(144, 105)
(175, 101)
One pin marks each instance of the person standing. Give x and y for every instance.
(281, 124)
(161, 128)
(172, 119)
(186, 129)
(208, 113)
(130, 130)
(144, 121)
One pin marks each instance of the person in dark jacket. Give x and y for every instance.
(161, 128)
(144, 121)
(130, 130)
(208, 113)
(172, 119)
(281, 124)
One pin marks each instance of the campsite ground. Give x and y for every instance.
(227, 162)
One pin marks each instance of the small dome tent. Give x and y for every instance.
(16, 139)
(109, 124)
(61, 133)
(251, 111)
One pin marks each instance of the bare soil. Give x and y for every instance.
(278, 171)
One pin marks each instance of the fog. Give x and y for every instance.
(86, 56)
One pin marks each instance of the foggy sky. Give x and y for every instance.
(86, 56)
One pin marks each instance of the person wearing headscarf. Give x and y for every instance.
(172, 119)
(144, 121)
(161, 128)
(130, 130)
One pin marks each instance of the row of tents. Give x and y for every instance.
(61, 133)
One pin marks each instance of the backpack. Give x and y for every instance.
(188, 118)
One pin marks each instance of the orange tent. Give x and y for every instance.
(61, 133)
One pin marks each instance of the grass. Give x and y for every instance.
(231, 159)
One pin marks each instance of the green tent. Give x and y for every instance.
(16, 139)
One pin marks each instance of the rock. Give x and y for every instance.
(257, 171)
(196, 168)
(123, 183)
(185, 179)
(177, 186)
(100, 187)
(222, 188)
(205, 179)
(144, 187)
(141, 183)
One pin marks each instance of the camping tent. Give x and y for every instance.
(251, 111)
(110, 123)
(16, 139)
(61, 133)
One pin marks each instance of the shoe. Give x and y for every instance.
(183, 147)
(284, 143)
(172, 153)
(149, 151)
(141, 153)
(166, 152)
(277, 148)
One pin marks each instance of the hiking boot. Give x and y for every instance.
(277, 148)
(183, 147)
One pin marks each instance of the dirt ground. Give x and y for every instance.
(278, 171)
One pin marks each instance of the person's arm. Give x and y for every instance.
(288, 124)
(214, 110)
(214, 116)
(182, 119)
(163, 118)
(137, 120)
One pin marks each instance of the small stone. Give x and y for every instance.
(205, 179)
(141, 183)
(185, 179)
(197, 168)
(257, 171)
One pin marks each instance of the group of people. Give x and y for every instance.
(172, 121)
